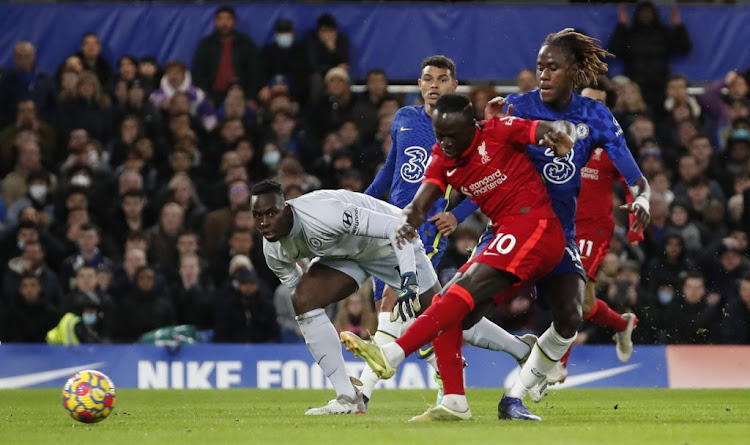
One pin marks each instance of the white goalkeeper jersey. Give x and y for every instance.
(337, 224)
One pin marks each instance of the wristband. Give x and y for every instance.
(642, 202)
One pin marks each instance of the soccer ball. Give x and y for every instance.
(89, 396)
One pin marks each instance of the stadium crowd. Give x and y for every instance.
(125, 192)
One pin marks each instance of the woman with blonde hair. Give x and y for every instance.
(88, 109)
(629, 104)
(184, 194)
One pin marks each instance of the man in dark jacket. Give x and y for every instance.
(284, 56)
(735, 324)
(29, 315)
(645, 47)
(24, 82)
(247, 315)
(224, 58)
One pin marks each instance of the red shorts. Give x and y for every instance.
(593, 243)
(528, 250)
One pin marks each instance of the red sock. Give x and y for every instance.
(443, 313)
(564, 358)
(603, 315)
(449, 360)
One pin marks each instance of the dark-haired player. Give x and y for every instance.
(412, 138)
(567, 60)
(351, 237)
(594, 229)
(488, 163)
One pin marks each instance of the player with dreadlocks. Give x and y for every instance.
(567, 60)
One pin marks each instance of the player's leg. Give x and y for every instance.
(388, 331)
(320, 286)
(486, 334)
(564, 293)
(596, 310)
(480, 283)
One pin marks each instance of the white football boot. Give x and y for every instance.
(340, 405)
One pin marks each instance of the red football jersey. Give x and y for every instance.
(595, 198)
(495, 172)
(597, 179)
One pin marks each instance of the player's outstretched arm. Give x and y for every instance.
(415, 212)
(560, 136)
(641, 192)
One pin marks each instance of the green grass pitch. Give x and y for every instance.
(623, 416)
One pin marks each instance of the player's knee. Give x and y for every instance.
(302, 303)
(568, 326)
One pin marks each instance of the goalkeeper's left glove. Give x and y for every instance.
(407, 304)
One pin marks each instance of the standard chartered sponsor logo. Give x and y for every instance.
(487, 183)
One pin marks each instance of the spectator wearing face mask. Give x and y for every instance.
(88, 320)
(287, 57)
(39, 196)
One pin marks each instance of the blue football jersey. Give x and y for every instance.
(412, 138)
(595, 128)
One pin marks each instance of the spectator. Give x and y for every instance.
(367, 104)
(81, 326)
(226, 57)
(177, 79)
(334, 106)
(526, 80)
(89, 109)
(145, 308)
(247, 315)
(689, 170)
(137, 104)
(123, 280)
(32, 261)
(629, 107)
(88, 255)
(251, 160)
(646, 47)
(235, 106)
(735, 325)
(721, 97)
(24, 82)
(162, 237)
(39, 196)
(671, 267)
(480, 96)
(91, 56)
(723, 263)
(327, 48)
(285, 316)
(708, 162)
(677, 92)
(30, 315)
(681, 225)
(693, 317)
(128, 217)
(356, 314)
(285, 57)
(642, 129)
(219, 221)
(193, 299)
(28, 121)
(239, 242)
(149, 74)
(182, 191)
(93, 313)
(14, 185)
